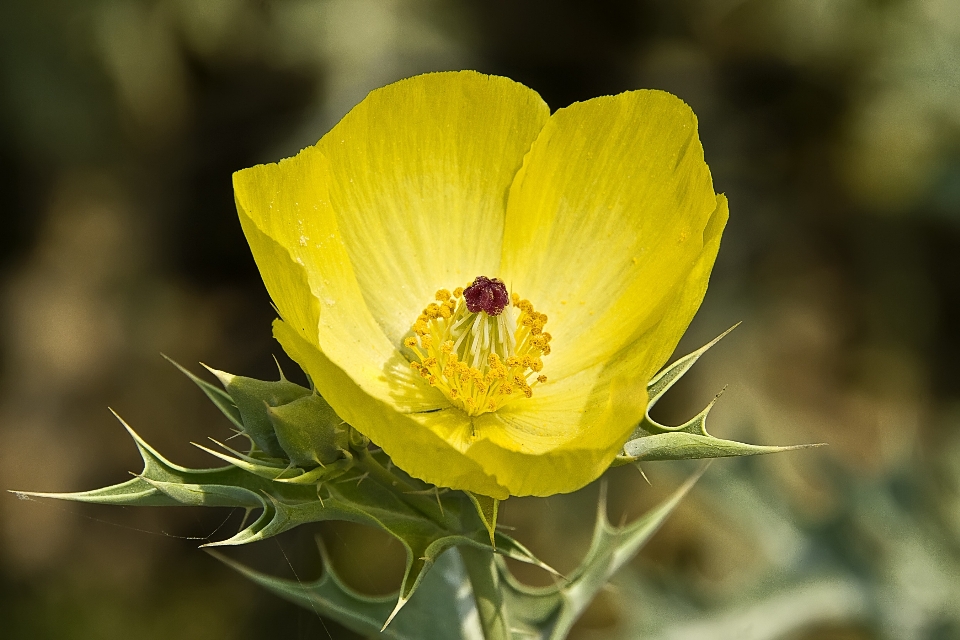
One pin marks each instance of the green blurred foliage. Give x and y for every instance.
(833, 128)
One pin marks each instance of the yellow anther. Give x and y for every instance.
(478, 360)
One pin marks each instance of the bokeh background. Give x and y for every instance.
(833, 126)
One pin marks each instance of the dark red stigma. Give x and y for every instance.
(486, 295)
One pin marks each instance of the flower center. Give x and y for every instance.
(480, 346)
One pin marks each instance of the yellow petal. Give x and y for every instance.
(286, 215)
(419, 173)
(404, 197)
(420, 442)
(567, 434)
(604, 219)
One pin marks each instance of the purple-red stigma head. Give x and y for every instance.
(486, 294)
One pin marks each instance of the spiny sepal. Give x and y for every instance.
(690, 440)
(309, 431)
(292, 428)
(487, 510)
(254, 399)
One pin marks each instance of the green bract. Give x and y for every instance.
(602, 216)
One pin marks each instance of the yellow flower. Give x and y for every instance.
(598, 222)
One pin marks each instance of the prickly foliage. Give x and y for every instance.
(690, 440)
(305, 465)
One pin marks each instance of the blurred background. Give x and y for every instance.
(832, 126)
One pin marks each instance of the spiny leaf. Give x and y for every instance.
(551, 612)
(507, 547)
(252, 465)
(255, 531)
(135, 492)
(689, 446)
(321, 474)
(425, 529)
(441, 610)
(207, 495)
(669, 376)
(219, 397)
(690, 440)
(140, 491)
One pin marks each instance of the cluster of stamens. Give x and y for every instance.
(477, 348)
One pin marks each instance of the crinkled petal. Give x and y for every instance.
(287, 219)
(604, 221)
(419, 173)
(567, 434)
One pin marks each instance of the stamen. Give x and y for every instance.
(480, 345)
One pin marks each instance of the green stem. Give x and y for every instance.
(369, 464)
(379, 474)
(487, 591)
